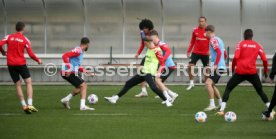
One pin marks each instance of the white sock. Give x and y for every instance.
(30, 101)
(267, 104)
(220, 102)
(69, 96)
(223, 105)
(82, 103)
(212, 102)
(191, 81)
(171, 93)
(144, 89)
(166, 94)
(23, 103)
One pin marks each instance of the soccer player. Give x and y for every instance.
(70, 73)
(246, 54)
(218, 65)
(199, 46)
(16, 44)
(273, 100)
(145, 27)
(169, 69)
(153, 66)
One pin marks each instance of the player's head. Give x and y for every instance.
(20, 26)
(146, 25)
(154, 36)
(202, 21)
(248, 34)
(85, 43)
(209, 30)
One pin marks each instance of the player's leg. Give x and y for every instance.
(232, 83)
(271, 106)
(135, 80)
(205, 62)
(217, 95)
(192, 63)
(13, 70)
(143, 92)
(162, 87)
(164, 77)
(211, 92)
(25, 74)
(83, 92)
(256, 82)
(150, 80)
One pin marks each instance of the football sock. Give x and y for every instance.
(220, 102)
(191, 81)
(82, 103)
(30, 101)
(212, 102)
(69, 96)
(144, 89)
(23, 103)
(223, 105)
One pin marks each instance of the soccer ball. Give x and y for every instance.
(201, 117)
(230, 117)
(92, 99)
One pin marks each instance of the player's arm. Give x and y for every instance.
(2, 43)
(225, 54)
(142, 45)
(165, 48)
(273, 70)
(236, 56)
(192, 42)
(66, 57)
(215, 45)
(161, 62)
(264, 59)
(30, 52)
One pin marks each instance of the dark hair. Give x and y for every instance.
(19, 26)
(84, 40)
(248, 34)
(203, 17)
(210, 28)
(153, 32)
(146, 23)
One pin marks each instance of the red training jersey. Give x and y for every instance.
(199, 42)
(17, 43)
(246, 54)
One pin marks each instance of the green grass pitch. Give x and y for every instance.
(132, 118)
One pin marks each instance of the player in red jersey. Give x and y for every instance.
(145, 27)
(199, 46)
(16, 44)
(246, 54)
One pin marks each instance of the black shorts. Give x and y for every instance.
(166, 73)
(17, 71)
(75, 80)
(204, 59)
(143, 61)
(216, 75)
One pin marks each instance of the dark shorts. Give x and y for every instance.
(17, 71)
(216, 76)
(195, 57)
(166, 73)
(143, 61)
(75, 80)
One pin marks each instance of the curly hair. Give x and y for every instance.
(146, 23)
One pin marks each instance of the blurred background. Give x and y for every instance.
(54, 26)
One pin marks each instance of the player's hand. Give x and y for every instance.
(188, 54)
(39, 61)
(215, 67)
(136, 56)
(4, 53)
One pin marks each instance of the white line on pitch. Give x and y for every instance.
(101, 114)
(10, 114)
